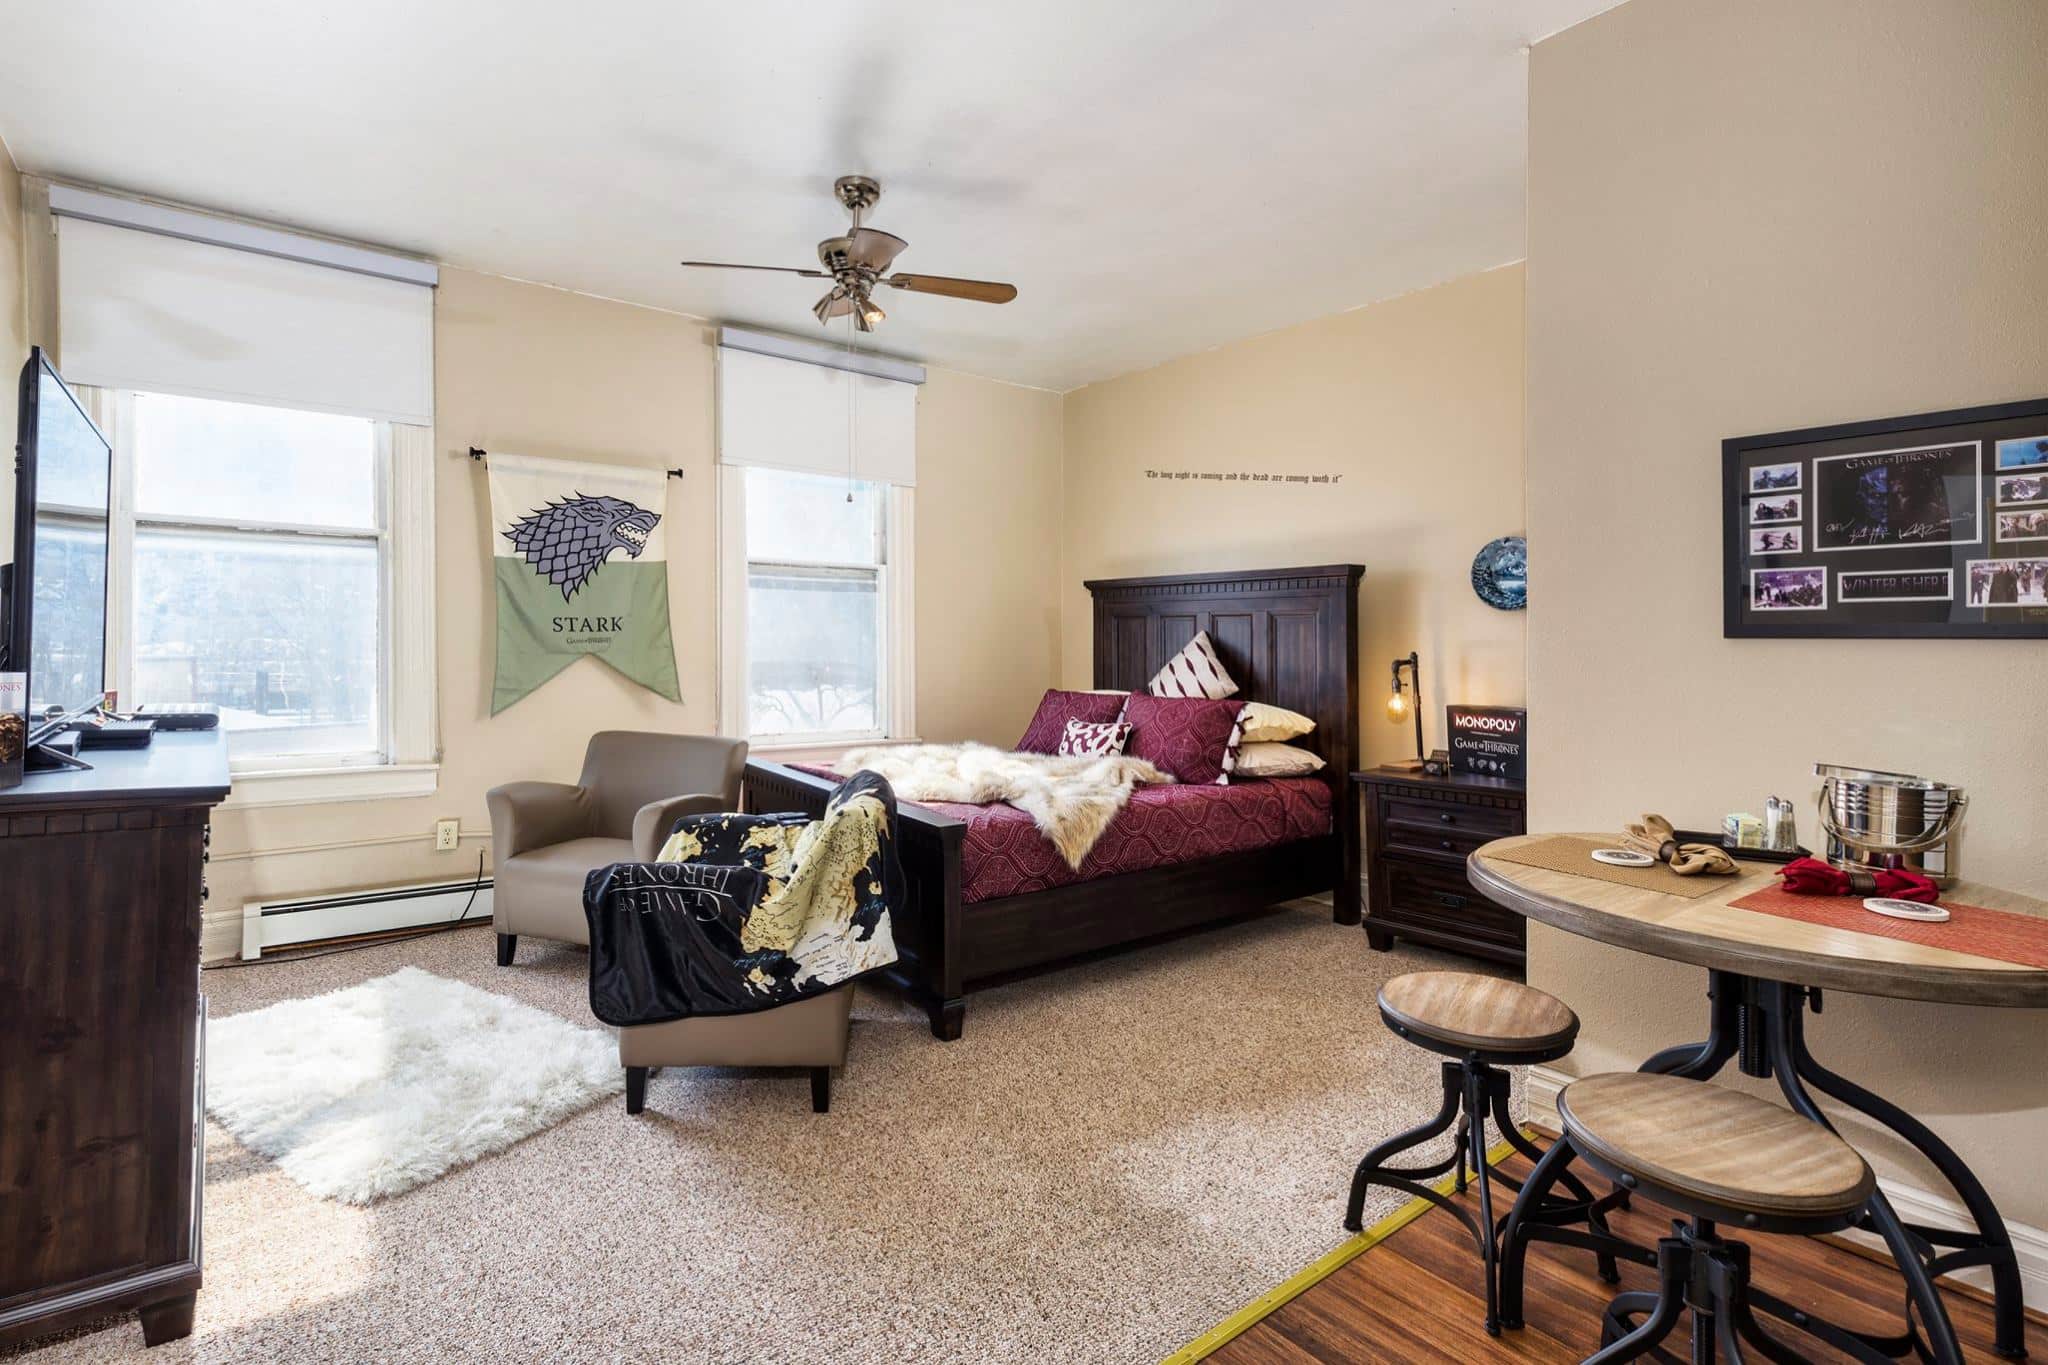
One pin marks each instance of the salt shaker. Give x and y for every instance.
(1780, 825)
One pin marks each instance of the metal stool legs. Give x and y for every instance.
(1696, 1270)
(1540, 1216)
(1473, 1091)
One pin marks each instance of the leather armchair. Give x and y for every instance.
(546, 837)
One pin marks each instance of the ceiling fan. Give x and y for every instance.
(857, 262)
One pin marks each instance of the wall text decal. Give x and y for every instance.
(1241, 476)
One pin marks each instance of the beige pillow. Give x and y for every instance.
(1263, 723)
(1194, 672)
(1274, 760)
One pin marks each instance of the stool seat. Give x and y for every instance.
(1714, 1145)
(1482, 1013)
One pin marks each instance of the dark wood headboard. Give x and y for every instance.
(1289, 637)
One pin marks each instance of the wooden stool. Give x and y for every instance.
(1717, 1156)
(1485, 1022)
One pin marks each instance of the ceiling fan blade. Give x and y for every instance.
(779, 269)
(981, 291)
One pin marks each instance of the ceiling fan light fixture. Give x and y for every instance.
(860, 258)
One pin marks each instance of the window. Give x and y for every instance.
(815, 607)
(270, 402)
(255, 562)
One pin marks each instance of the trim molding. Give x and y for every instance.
(1914, 1204)
(1318, 1270)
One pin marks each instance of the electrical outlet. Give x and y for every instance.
(447, 835)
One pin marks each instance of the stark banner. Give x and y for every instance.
(581, 563)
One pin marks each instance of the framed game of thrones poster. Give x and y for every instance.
(1931, 525)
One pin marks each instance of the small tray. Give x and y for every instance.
(1749, 855)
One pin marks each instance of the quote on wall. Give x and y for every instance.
(1237, 476)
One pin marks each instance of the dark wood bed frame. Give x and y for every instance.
(1290, 638)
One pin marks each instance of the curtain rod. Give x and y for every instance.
(478, 453)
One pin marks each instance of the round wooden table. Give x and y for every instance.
(1763, 973)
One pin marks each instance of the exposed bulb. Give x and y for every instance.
(1397, 706)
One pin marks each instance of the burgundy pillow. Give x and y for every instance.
(1193, 738)
(1043, 735)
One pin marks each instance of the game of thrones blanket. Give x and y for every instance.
(745, 912)
(581, 563)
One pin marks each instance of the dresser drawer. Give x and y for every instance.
(1434, 897)
(1487, 822)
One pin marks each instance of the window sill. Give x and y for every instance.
(817, 751)
(311, 786)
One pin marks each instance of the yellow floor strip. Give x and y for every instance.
(1324, 1266)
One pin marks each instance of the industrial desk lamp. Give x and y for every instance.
(1400, 705)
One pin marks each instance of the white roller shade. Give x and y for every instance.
(790, 415)
(139, 310)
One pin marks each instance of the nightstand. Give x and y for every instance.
(1418, 830)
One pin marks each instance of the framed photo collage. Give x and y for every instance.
(1931, 525)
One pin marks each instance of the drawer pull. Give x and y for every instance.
(1449, 901)
(1448, 818)
(1447, 843)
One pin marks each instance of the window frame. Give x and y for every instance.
(405, 759)
(895, 580)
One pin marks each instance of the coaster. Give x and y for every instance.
(1897, 909)
(1621, 857)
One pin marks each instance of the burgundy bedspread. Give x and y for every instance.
(1003, 854)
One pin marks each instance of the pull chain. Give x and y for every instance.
(852, 429)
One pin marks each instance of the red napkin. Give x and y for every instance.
(1811, 877)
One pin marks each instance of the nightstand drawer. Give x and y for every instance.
(1430, 896)
(1434, 841)
(1487, 822)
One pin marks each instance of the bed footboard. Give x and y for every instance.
(928, 933)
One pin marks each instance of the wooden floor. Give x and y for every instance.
(1418, 1297)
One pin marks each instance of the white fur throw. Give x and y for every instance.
(1071, 800)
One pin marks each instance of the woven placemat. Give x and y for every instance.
(1567, 853)
(1975, 929)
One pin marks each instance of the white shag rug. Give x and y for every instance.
(366, 1092)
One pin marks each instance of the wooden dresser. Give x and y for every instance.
(101, 1037)
(1418, 830)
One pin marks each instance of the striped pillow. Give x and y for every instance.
(1194, 672)
(1094, 739)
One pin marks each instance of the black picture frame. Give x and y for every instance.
(1894, 505)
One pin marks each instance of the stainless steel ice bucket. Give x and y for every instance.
(1877, 819)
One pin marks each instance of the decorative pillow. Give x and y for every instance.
(1263, 723)
(1056, 708)
(1267, 759)
(1194, 738)
(1194, 672)
(1094, 739)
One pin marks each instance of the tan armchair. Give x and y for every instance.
(546, 837)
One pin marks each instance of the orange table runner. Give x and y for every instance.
(1999, 934)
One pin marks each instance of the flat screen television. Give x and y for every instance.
(53, 596)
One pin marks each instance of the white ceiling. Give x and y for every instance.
(1156, 176)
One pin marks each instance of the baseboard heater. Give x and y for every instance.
(278, 924)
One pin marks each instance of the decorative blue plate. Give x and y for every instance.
(1500, 573)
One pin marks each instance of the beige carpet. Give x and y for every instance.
(1115, 1157)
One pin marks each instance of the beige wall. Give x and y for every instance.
(1415, 402)
(988, 580)
(541, 371)
(1749, 216)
